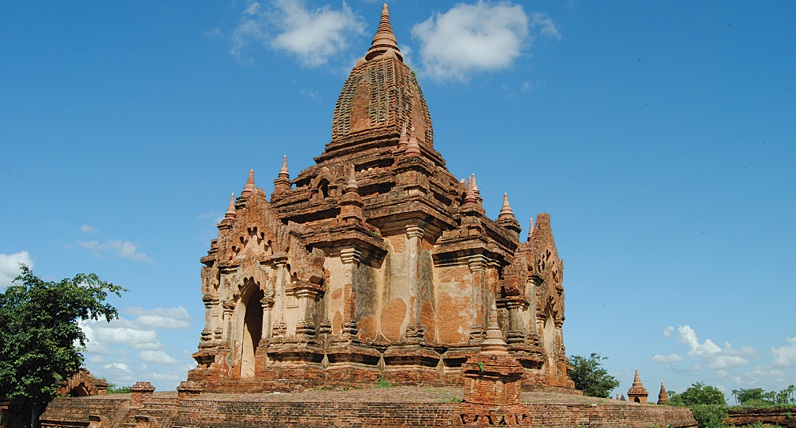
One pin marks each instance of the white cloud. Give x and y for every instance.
(120, 331)
(119, 248)
(313, 35)
(9, 266)
(118, 373)
(785, 356)
(715, 356)
(666, 359)
(687, 335)
(91, 230)
(168, 318)
(545, 25)
(667, 332)
(125, 349)
(763, 377)
(157, 357)
(470, 38)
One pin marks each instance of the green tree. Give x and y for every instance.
(115, 389)
(40, 340)
(590, 377)
(706, 402)
(785, 396)
(757, 397)
(698, 393)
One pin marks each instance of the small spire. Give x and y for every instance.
(475, 186)
(469, 196)
(351, 185)
(530, 230)
(505, 210)
(249, 187)
(413, 148)
(384, 40)
(636, 379)
(663, 396)
(231, 214)
(404, 140)
(283, 171)
(494, 343)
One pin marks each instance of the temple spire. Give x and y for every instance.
(505, 210)
(469, 196)
(637, 393)
(474, 185)
(530, 230)
(351, 184)
(249, 187)
(413, 147)
(384, 40)
(283, 171)
(663, 396)
(231, 208)
(404, 140)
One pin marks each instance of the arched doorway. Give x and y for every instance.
(252, 330)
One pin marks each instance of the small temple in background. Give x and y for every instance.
(663, 396)
(637, 393)
(376, 262)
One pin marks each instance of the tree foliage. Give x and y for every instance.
(590, 377)
(698, 393)
(40, 339)
(706, 402)
(757, 397)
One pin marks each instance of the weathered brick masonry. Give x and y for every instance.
(375, 264)
(388, 407)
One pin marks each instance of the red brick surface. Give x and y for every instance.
(391, 407)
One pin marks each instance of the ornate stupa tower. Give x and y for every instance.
(637, 393)
(376, 262)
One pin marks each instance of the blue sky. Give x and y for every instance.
(659, 135)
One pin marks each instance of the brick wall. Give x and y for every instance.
(220, 411)
(779, 416)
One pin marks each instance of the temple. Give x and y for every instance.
(376, 263)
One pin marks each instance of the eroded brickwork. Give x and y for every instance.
(388, 407)
(376, 262)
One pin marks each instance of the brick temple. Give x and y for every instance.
(374, 267)
(376, 262)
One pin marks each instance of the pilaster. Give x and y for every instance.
(477, 266)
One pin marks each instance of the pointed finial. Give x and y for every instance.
(474, 186)
(384, 40)
(469, 195)
(494, 343)
(283, 171)
(404, 140)
(231, 214)
(530, 230)
(351, 185)
(413, 148)
(636, 379)
(505, 210)
(249, 187)
(663, 396)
